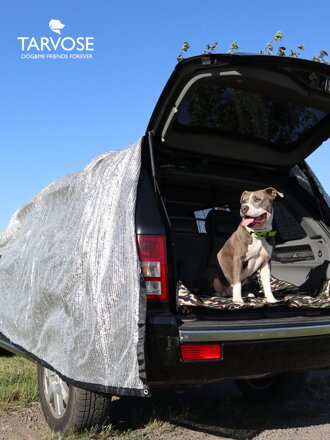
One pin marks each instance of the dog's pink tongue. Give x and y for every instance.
(246, 221)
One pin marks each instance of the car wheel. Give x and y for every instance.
(274, 389)
(67, 408)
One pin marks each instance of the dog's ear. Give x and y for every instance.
(272, 192)
(242, 196)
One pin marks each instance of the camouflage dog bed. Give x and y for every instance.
(286, 294)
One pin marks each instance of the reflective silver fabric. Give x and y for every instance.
(70, 274)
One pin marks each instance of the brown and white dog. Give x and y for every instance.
(247, 249)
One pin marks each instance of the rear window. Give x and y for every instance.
(210, 106)
(315, 81)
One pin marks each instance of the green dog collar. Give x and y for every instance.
(260, 234)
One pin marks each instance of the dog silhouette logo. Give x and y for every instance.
(56, 26)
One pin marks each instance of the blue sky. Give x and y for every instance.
(56, 115)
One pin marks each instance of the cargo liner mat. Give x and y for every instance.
(253, 297)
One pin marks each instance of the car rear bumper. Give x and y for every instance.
(191, 335)
(246, 353)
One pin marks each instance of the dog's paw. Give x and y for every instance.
(272, 301)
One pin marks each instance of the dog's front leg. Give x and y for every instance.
(265, 280)
(237, 285)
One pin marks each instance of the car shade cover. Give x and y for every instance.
(70, 275)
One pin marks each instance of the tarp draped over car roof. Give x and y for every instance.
(70, 291)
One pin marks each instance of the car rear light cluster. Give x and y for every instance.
(152, 254)
(201, 352)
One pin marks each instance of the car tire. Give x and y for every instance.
(274, 389)
(69, 409)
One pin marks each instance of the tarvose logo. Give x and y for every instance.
(60, 48)
(56, 26)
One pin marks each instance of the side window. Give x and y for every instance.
(287, 226)
(301, 178)
(200, 217)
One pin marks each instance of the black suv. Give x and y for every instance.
(225, 124)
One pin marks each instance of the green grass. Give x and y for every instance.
(18, 382)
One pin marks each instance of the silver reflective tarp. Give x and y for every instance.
(70, 275)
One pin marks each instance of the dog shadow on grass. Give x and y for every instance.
(220, 410)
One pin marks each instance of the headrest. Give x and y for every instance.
(223, 222)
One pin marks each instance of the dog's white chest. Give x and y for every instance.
(258, 252)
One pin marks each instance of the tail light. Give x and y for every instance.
(201, 352)
(152, 253)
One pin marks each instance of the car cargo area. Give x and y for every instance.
(202, 202)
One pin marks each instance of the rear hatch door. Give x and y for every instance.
(266, 110)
